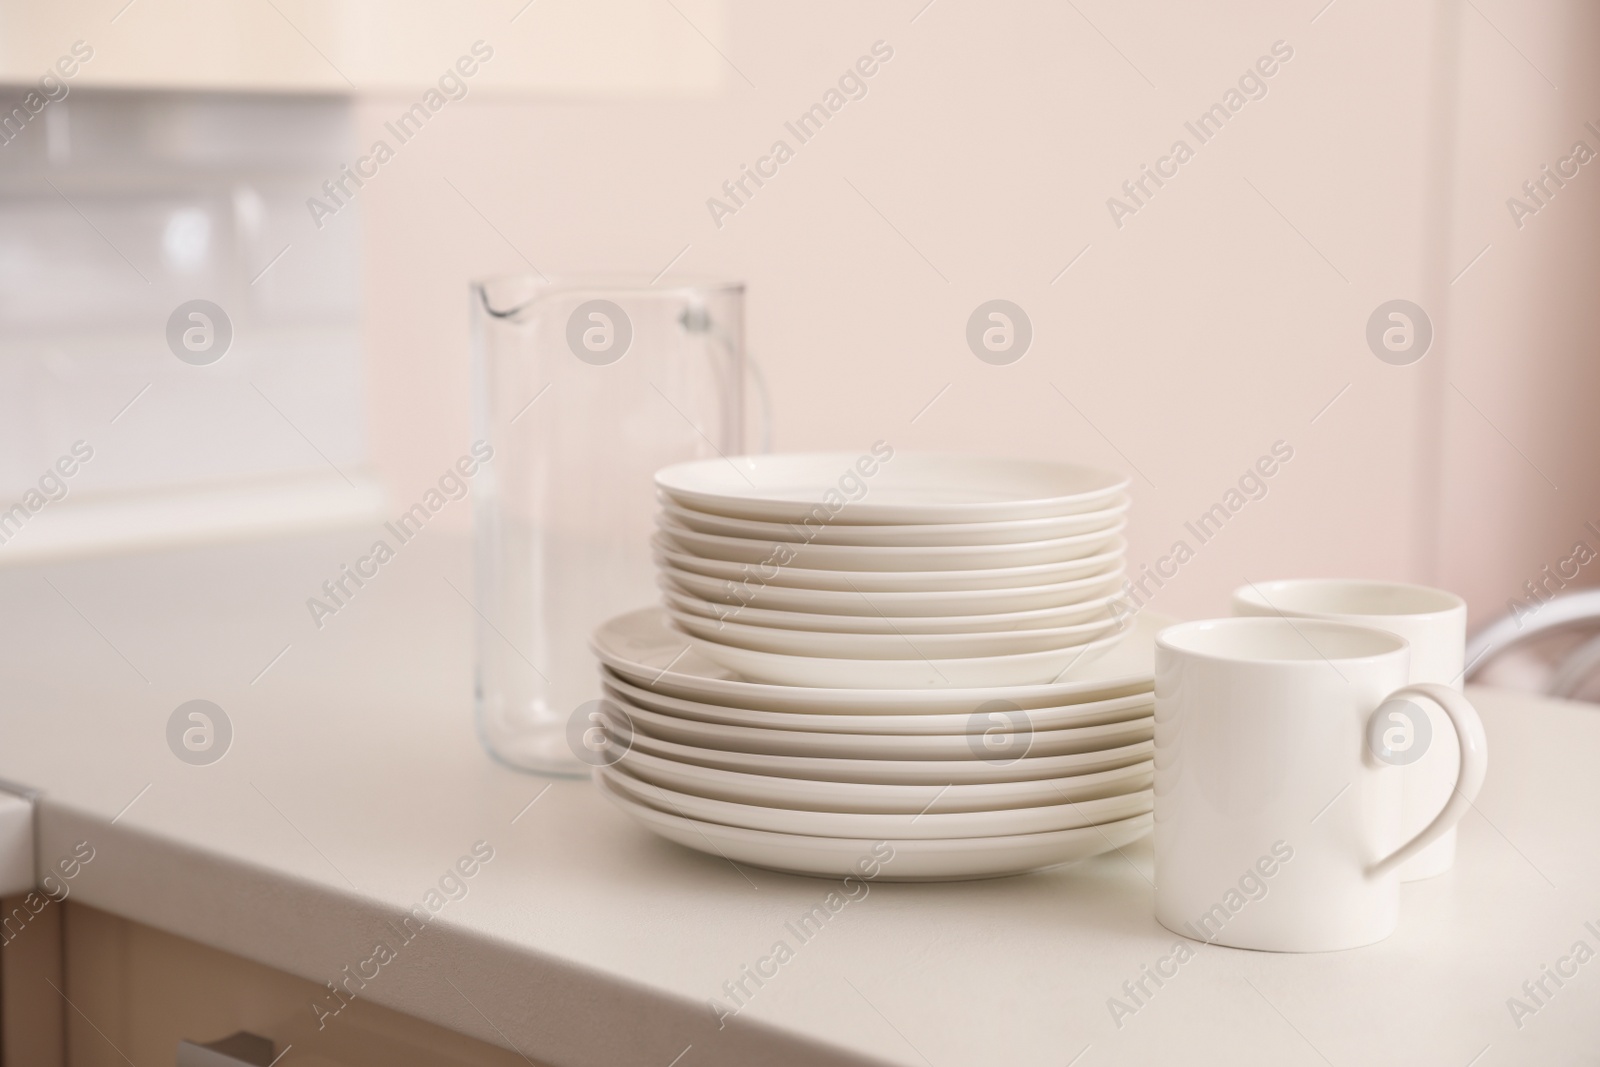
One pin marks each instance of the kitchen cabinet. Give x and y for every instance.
(136, 991)
(606, 49)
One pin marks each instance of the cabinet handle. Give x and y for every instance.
(242, 1049)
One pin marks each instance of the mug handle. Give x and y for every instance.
(1469, 774)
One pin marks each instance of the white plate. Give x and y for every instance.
(622, 738)
(840, 721)
(755, 575)
(999, 737)
(1025, 668)
(950, 533)
(643, 648)
(888, 646)
(1004, 622)
(907, 487)
(895, 605)
(776, 791)
(748, 552)
(910, 826)
(950, 859)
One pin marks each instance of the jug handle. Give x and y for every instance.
(758, 378)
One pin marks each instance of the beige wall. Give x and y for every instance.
(1522, 474)
(1222, 317)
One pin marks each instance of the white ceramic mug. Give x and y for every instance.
(1277, 813)
(1435, 623)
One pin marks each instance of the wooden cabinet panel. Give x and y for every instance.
(137, 991)
(32, 1012)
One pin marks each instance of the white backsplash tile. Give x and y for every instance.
(117, 207)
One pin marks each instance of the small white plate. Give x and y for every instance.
(747, 552)
(1005, 622)
(950, 533)
(840, 721)
(889, 646)
(874, 489)
(776, 791)
(897, 605)
(1025, 668)
(644, 648)
(899, 860)
(918, 826)
(997, 736)
(874, 771)
(791, 577)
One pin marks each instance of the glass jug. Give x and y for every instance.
(583, 390)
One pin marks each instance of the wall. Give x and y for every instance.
(1224, 315)
(1177, 342)
(1521, 438)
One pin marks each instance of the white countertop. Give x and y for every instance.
(355, 779)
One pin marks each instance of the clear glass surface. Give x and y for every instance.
(584, 390)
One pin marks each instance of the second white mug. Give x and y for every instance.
(1435, 623)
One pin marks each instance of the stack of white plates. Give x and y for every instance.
(932, 671)
(905, 571)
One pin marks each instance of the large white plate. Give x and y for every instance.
(1025, 668)
(910, 826)
(950, 533)
(748, 552)
(949, 859)
(792, 577)
(888, 646)
(625, 739)
(840, 721)
(776, 791)
(908, 487)
(1004, 622)
(997, 737)
(643, 648)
